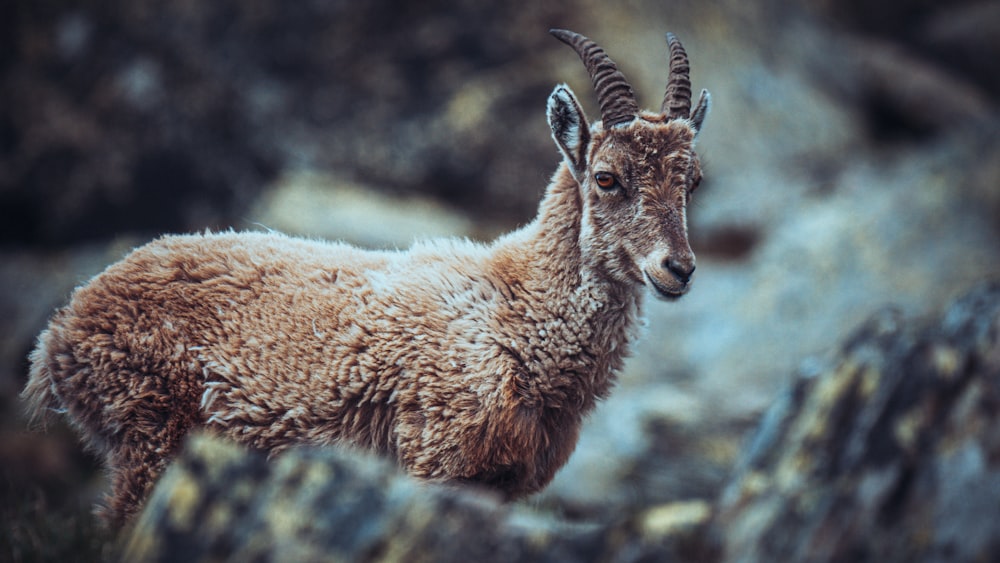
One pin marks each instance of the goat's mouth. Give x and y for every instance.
(664, 291)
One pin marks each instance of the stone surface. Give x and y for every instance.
(889, 453)
(219, 502)
(144, 117)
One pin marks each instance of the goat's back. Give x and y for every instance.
(124, 351)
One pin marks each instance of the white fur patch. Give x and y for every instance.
(212, 389)
(567, 120)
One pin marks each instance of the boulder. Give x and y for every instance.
(221, 502)
(889, 453)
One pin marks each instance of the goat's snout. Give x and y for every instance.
(669, 275)
(681, 268)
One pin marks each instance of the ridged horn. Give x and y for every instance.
(677, 100)
(614, 93)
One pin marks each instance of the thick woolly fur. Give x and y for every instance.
(465, 362)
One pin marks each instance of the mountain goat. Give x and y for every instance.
(465, 362)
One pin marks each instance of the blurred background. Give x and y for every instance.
(852, 162)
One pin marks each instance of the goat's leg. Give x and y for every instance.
(134, 467)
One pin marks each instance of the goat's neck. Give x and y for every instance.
(553, 277)
(561, 251)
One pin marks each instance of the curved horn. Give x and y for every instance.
(614, 93)
(677, 100)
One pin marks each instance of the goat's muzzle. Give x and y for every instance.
(670, 276)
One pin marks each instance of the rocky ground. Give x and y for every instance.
(852, 162)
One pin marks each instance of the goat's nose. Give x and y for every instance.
(681, 269)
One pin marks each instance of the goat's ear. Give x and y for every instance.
(701, 110)
(569, 128)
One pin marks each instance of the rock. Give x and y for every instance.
(220, 502)
(916, 70)
(318, 205)
(140, 117)
(966, 39)
(904, 94)
(889, 453)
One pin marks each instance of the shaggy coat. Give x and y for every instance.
(465, 362)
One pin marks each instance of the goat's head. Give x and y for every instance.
(636, 169)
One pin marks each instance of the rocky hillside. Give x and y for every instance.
(852, 161)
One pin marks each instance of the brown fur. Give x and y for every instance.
(465, 362)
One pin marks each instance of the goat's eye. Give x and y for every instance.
(605, 180)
